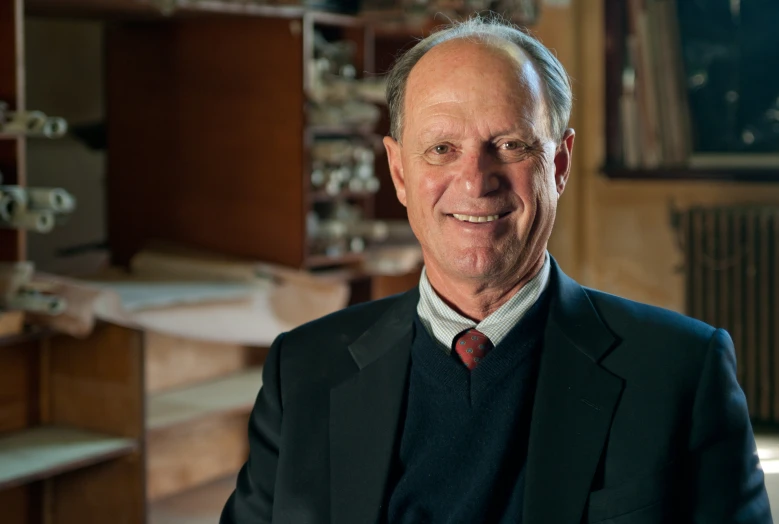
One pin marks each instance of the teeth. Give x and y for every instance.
(468, 218)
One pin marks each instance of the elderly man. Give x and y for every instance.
(499, 390)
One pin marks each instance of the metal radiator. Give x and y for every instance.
(732, 279)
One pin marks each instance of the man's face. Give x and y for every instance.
(477, 168)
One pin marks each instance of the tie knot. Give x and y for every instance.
(472, 345)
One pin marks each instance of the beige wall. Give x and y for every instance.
(616, 235)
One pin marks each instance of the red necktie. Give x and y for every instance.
(472, 346)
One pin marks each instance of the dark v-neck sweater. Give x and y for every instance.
(465, 435)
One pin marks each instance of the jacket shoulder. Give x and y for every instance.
(347, 323)
(315, 356)
(630, 319)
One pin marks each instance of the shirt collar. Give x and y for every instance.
(443, 323)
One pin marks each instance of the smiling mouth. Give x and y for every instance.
(475, 219)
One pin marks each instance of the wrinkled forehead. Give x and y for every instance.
(463, 70)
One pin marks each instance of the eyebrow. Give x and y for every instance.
(434, 134)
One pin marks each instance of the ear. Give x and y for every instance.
(396, 167)
(563, 160)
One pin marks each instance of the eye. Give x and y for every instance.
(510, 145)
(441, 149)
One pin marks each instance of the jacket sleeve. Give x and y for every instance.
(252, 500)
(728, 481)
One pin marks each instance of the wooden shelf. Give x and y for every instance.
(334, 19)
(147, 8)
(341, 130)
(22, 338)
(686, 173)
(234, 393)
(201, 504)
(395, 24)
(45, 451)
(314, 261)
(321, 196)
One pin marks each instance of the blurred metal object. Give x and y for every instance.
(13, 276)
(351, 113)
(344, 230)
(51, 198)
(41, 221)
(12, 199)
(18, 292)
(33, 124)
(343, 164)
(337, 95)
(33, 301)
(33, 209)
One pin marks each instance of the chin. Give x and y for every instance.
(477, 265)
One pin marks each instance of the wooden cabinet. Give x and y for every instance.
(210, 133)
(210, 139)
(120, 425)
(71, 429)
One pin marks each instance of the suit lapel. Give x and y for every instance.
(574, 403)
(365, 415)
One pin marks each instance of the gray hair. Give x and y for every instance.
(556, 81)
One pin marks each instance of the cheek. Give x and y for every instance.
(527, 183)
(428, 189)
(541, 178)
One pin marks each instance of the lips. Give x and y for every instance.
(473, 218)
(477, 218)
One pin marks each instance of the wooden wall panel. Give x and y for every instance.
(21, 505)
(110, 492)
(19, 386)
(174, 362)
(220, 107)
(558, 28)
(188, 455)
(202, 504)
(139, 103)
(97, 383)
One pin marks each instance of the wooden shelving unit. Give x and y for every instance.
(321, 196)
(198, 399)
(334, 130)
(209, 146)
(45, 451)
(201, 504)
(233, 393)
(145, 9)
(222, 104)
(71, 426)
(70, 420)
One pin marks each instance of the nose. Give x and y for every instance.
(479, 174)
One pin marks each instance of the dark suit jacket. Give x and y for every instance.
(637, 418)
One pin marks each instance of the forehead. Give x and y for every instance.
(469, 80)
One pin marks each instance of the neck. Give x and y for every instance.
(479, 298)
